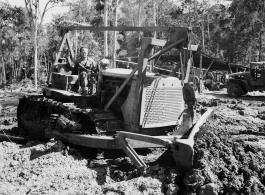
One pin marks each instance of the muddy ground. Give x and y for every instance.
(229, 158)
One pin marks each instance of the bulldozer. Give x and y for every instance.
(125, 109)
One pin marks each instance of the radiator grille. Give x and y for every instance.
(162, 103)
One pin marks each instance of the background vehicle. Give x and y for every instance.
(243, 82)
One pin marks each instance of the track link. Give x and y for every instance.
(35, 114)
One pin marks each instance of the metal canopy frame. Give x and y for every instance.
(176, 35)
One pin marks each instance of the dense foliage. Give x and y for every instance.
(233, 32)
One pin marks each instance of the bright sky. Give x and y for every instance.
(49, 13)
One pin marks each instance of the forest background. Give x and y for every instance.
(232, 32)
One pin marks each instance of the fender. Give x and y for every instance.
(242, 83)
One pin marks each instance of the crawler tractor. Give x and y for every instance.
(126, 109)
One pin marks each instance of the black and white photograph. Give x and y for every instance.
(132, 97)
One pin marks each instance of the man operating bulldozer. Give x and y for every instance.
(87, 68)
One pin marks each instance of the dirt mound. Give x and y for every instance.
(230, 152)
(43, 168)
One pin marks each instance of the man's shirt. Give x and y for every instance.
(84, 65)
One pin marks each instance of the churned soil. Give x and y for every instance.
(230, 149)
(229, 159)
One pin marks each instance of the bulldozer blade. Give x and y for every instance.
(182, 149)
(183, 153)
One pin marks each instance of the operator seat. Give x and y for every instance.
(64, 68)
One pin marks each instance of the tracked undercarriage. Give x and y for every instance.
(38, 114)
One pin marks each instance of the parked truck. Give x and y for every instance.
(243, 82)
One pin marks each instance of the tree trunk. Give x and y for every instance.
(46, 66)
(201, 75)
(250, 49)
(15, 64)
(154, 20)
(260, 46)
(12, 69)
(19, 70)
(15, 76)
(106, 32)
(208, 26)
(203, 41)
(25, 72)
(76, 38)
(45, 62)
(154, 16)
(35, 46)
(115, 35)
(3, 73)
(139, 13)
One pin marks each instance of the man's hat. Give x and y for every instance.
(83, 46)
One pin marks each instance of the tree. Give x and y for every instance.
(34, 14)
(248, 16)
(13, 20)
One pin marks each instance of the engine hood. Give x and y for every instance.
(239, 74)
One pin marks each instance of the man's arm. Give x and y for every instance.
(71, 64)
(82, 67)
(93, 64)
